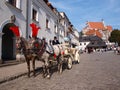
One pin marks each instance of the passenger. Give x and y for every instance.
(55, 41)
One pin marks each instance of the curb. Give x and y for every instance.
(13, 77)
(9, 78)
(10, 63)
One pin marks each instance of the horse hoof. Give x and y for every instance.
(48, 77)
(44, 76)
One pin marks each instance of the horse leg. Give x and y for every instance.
(60, 65)
(60, 68)
(47, 64)
(33, 64)
(44, 71)
(28, 66)
(48, 72)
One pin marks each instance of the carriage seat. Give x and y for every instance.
(49, 49)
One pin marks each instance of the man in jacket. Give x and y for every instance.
(55, 41)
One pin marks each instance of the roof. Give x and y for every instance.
(96, 25)
(94, 32)
(109, 28)
(95, 41)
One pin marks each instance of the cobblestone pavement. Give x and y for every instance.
(8, 73)
(96, 71)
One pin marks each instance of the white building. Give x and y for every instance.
(75, 37)
(83, 45)
(22, 13)
(13, 13)
(45, 16)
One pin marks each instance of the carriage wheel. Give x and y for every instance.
(69, 62)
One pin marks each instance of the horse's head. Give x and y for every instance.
(38, 45)
(34, 43)
(18, 43)
(21, 44)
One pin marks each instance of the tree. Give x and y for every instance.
(115, 36)
(80, 33)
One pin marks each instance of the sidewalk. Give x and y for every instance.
(8, 73)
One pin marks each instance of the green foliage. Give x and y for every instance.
(115, 36)
(80, 33)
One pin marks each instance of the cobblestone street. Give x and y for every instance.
(96, 71)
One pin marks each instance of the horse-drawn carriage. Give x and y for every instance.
(71, 55)
(36, 49)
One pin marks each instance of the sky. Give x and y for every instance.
(81, 11)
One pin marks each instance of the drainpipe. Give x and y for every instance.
(27, 18)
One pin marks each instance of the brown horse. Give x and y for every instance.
(36, 49)
(24, 46)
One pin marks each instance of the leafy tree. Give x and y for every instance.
(80, 33)
(115, 36)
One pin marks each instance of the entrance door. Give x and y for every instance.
(8, 43)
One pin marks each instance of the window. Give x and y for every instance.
(80, 44)
(92, 43)
(15, 3)
(55, 29)
(47, 21)
(48, 24)
(61, 32)
(34, 15)
(84, 43)
(12, 2)
(64, 22)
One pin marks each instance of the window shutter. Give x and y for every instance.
(48, 23)
(37, 16)
(18, 3)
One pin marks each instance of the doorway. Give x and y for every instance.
(8, 43)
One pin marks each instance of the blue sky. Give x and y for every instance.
(80, 11)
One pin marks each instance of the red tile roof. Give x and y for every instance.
(94, 32)
(98, 34)
(96, 25)
(93, 28)
(109, 28)
(90, 32)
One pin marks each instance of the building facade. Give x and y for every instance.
(13, 13)
(22, 13)
(98, 29)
